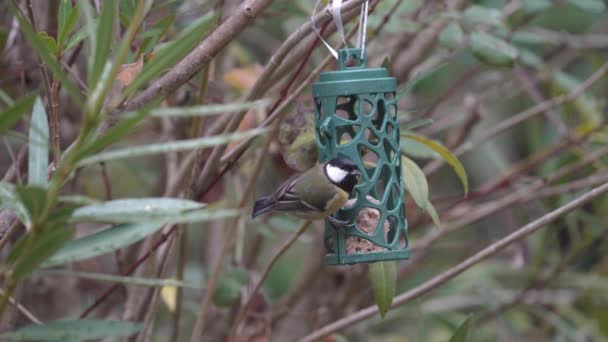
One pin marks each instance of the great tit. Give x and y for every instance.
(315, 194)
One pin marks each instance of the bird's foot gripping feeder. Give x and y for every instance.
(356, 117)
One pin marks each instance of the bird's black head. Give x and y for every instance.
(342, 172)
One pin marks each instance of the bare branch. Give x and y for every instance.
(478, 257)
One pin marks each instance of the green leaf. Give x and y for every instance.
(153, 35)
(123, 235)
(68, 18)
(51, 240)
(535, 6)
(208, 110)
(430, 209)
(70, 330)
(383, 277)
(9, 199)
(38, 146)
(446, 155)
(65, 7)
(12, 114)
(229, 286)
(492, 50)
(462, 333)
(49, 42)
(135, 210)
(49, 60)
(590, 6)
(133, 281)
(415, 182)
(586, 105)
(173, 52)
(105, 36)
(452, 36)
(117, 132)
(33, 199)
(3, 38)
(416, 123)
(102, 242)
(475, 15)
(420, 77)
(172, 146)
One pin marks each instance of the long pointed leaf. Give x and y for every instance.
(79, 330)
(415, 182)
(174, 146)
(446, 155)
(172, 53)
(105, 35)
(48, 59)
(135, 210)
(383, 277)
(12, 114)
(38, 146)
(117, 237)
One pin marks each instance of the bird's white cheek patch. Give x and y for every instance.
(336, 174)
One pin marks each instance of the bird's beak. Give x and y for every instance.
(357, 172)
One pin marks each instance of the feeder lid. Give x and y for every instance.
(356, 79)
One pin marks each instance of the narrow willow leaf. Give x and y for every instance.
(117, 132)
(535, 6)
(43, 248)
(7, 99)
(208, 110)
(12, 114)
(49, 42)
(452, 36)
(415, 182)
(430, 209)
(153, 35)
(102, 242)
(38, 146)
(416, 124)
(446, 155)
(33, 199)
(65, 7)
(590, 6)
(173, 146)
(229, 286)
(68, 18)
(135, 210)
(79, 330)
(420, 77)
(132, 281)
(121, 236)
(476, 14)
(105, 35)
(383, 277)
(492, 50)
(173, 52)
(48, 59)
(462, 333)
(10, 200)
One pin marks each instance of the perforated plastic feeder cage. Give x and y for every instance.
(356, 117)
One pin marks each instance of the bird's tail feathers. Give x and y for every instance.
(263, 205)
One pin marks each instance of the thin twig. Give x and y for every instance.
(522, 116)
(456, 270)
(27, 313)
(199, 326)
(245, 308)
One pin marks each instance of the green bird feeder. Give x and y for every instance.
(356, 117)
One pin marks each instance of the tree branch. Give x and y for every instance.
(480, 256)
